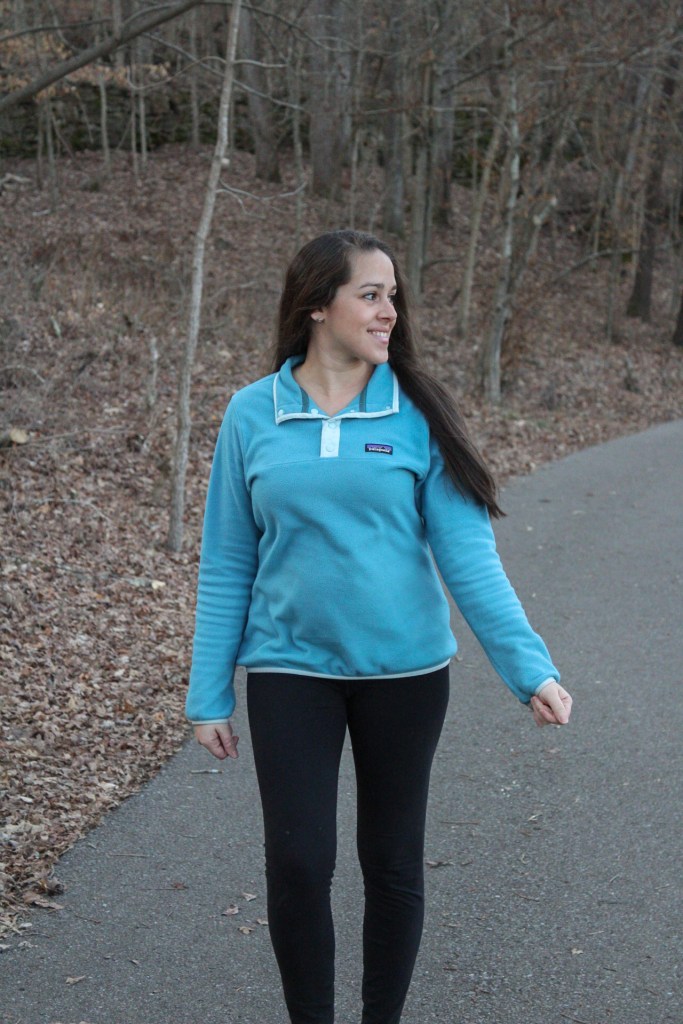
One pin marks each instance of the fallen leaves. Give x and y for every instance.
(15, 435)
(247, 929)
(34, 899)
(233, 909)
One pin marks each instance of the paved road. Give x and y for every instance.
(556, 893)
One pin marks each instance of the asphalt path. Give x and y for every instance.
(554, 856)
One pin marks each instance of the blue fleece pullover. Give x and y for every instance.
(316, 549)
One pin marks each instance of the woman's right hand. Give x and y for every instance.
(218, 739)
(552, 705)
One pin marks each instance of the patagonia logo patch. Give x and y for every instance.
(382, 449)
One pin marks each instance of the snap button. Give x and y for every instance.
(314, 412)
(333, 424)
(329, 447)
(281, 412)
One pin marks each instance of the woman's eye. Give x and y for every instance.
(370, 295)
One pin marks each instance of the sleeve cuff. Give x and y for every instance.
(213, 721)
(542, 685)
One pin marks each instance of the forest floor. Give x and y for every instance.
(97, 616)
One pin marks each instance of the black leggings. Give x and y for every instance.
(298, 724)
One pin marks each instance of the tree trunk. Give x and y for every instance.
(328, 98)
(423, 182)
(480, 200)
(418, 218)
(395, 124)
(503, 302)
(640, 300)
(444, 119)
(134, 132)
(182, 443)
(117, 22)
(40, 138)
(142, 105)
(353, 187)
(194, 82)
(260, 109)
(51, 154)
(104, 129)
(677, 338)
(294, 95)
(675, 231)
(623, 178)
(102, 89)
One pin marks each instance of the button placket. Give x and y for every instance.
(329, 439)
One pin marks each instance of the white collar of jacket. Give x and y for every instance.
(379, 397)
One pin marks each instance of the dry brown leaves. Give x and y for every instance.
(95, 616)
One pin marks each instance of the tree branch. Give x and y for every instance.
(593, 256)
(131, 29)
(37, 29)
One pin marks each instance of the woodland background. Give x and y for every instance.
(524, 158)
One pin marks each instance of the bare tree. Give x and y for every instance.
(640, 301)
(475, 224)
(329, 96)
(445, 85)
(184, 421)
(422, 182)
(677, 337)
(621, 194)
(194, 81)
(294, 63)
(503, 298)
(395, 122)
(260, 109)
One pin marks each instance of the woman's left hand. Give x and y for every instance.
(552, 706)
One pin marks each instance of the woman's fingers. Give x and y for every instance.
(218, 738)
(552, 706)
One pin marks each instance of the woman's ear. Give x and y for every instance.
(317, 315)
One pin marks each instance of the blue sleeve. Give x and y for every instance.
(227, 567)
(461, 539)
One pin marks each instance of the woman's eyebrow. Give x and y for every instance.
(376, 284)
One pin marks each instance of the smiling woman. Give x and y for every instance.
(315, 277)
(350, 335)
(338, 481)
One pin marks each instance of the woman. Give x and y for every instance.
(333, 479)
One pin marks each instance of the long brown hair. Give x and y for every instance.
(313, 277)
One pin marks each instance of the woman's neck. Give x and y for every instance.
(332, 386)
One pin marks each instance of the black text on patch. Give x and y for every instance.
(382, 449)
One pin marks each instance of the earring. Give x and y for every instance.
(319, 319)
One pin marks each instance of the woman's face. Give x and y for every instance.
(357, 324)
